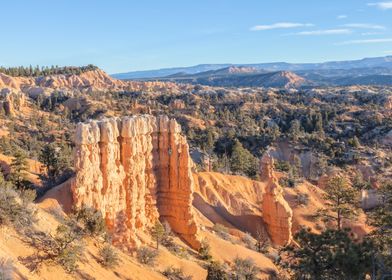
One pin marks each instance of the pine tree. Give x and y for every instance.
(381, 219)
(157, 232)
(329, 255)
(242, 161)
(19, 167)
(49, 158)
(341, 200)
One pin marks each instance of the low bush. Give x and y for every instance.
(244, 269)
(216, 271)
(91, 220)
(303, 199)
(15, 209)
(222, 231)
(173, 273)
(249, 241)
(204, 250)
(109, 256)
(147, 255)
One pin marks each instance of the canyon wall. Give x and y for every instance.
(135, 170)
(277, 213)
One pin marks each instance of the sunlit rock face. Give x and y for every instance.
(135, 170)
(277, 213)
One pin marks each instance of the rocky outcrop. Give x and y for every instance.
(11, 101)
(94, 80)
(277, 213)
(135, 170)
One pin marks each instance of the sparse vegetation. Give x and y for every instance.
(222, 231)
(146, 255)
(216, 271)
(109, 256)
(244, 269)
(158, 233)
(91, 220)
(249, 241)
(173, 273)
(303, 199)
(15, 209)
(329, 255)
(204, 250)
(341, 201)
(65, 248)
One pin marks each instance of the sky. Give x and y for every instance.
(120, 36)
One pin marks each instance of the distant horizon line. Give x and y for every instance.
(199, 64)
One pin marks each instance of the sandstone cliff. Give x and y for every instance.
(135, 170)
(277, 213)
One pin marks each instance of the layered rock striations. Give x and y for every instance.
(277, 213)
(135, 170)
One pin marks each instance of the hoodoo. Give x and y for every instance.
(135, 170)
(277, 213)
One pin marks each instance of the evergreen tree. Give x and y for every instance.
(157, 232)
(330, 255)
(49, 157)
(242, 161)
(341, 200)
(381, 219)
(295, 130)
(19, 167)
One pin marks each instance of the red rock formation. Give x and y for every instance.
(277, 213)
(95, 80)
(135, 170)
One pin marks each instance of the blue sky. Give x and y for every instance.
(120, 36)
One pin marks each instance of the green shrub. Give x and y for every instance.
(249, 241)
(282, 166)
(173, 273)
(216, 271)
(13, 209)
(222, 231)
(91, 220)
(244, 269)
(157, 232)
(109, 257)
(204, 250)
(303, 199)
(65, 247)
(146, 255)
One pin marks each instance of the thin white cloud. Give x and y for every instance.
(388, 52)
(323, 32)
(365, 26)
(280, 25)
(382, 5)
(366, 41)
(342, 16)
(371, 33)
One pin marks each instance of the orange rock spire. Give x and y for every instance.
(277, 213)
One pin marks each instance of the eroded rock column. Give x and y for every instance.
(135, 170)
(277, 213)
